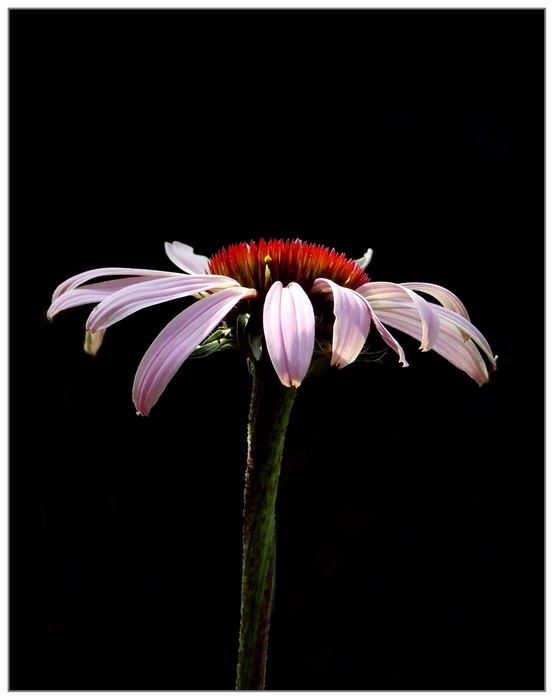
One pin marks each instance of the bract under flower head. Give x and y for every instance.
(259, 265)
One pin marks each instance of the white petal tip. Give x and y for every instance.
(364, 261)
(93, 341)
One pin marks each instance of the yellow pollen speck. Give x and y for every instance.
(268, 258)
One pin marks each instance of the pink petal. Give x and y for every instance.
(289, 328)
(464, 327)
(352, 322)
(450, 343)
(177, 341)
(76, 280)
(373, 291)
(463, 355)
(91, 294)
(184, 257)
(389, 339)
(126, 301)
(468, 330)
(441, 294)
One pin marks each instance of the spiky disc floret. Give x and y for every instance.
(258, 265)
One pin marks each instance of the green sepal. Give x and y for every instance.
(242, 322)
(255, 341)
(218, 340)
(248, 331)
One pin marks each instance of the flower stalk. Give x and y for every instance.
(270, 409)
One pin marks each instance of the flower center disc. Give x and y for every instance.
(258, 265)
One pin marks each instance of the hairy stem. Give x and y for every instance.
(269, 416)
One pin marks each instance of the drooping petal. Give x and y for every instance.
(441, 294)
(185, 258)
(177, 341)
(468, 330)
(389, 339)
(450, 343)
(289, 328)
(126, 301)
(465, 328)
(364, 261)
(463, 355)
(91, 294)
(374, 291)
(83, 277)
(352, 322)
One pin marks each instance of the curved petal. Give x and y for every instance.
(364, 261)
(373, 291)
(468, 330)
(177, 341)
(185, 258)
(82, 277)
(91, 294)
(289, 328)
(441, 294)
(399, 310)
(352, 322)
(389, 339)
(450, 343)
(126, 301)
(463, 355)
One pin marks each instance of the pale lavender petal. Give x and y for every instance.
(389, 339)
(76, 280)
(450, 343)
(352, 322)
(289, 328)
(441, 294)
(464, 355)
(126, 301)
(468, 330)
(184, 257)
(374, 291)
(91, 294)
(364, 261)
(465, 328)
(177, 341)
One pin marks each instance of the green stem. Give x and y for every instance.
(269, 415)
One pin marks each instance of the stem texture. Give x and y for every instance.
(269, 416)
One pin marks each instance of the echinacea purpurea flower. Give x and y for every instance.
(282, 303)
(292, 298)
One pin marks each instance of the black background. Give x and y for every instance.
(411, 509)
